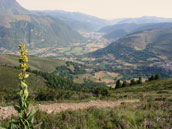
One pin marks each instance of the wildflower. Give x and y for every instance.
(23, 52)
(26, 117)
(21, 76)
(23, 58)
(21, 46)
(23, 67)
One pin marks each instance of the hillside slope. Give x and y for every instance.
(35, 31)
(138, 54)
(77, 21)
(121, 30)
(35, 63)
(145, 19)
(65, 69)
(9, 79)
(156, 43)
(11, 7)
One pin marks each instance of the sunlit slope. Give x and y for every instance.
(9, 79)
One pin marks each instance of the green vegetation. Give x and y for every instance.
(144, 115)
(56, 82)
(36, 63)
(134, 57)
(155, 77)
(26, 117)
(138, 54)
(118, 84)
(61, 68)
(124, 84)
(9, 79)
(70, 70)
(153, 110)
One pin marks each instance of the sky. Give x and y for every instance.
(107, 9)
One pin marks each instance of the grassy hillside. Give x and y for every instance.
(161, 89)
(152, 42)
(9, 79)
(152, 111)
(79, 73)
(37, 32)
(138, 54)
(35, 63)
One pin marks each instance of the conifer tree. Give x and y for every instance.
(140, 80)
(118, 84)
(157, 76)
(132, 82)
(124, 84)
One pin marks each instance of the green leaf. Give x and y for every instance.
(23, 84)
(21, 93)
(26, 93)
(37, 125)
(31, 114)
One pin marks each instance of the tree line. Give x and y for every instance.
(120, 84)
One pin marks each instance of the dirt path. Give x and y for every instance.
(6, 112)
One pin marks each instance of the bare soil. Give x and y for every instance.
(7, 112)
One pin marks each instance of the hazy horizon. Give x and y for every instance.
(107, 9)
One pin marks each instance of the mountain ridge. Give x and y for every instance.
(77, 20)
(141, 41)
(35, 31)
(121, 30)
(12, 7)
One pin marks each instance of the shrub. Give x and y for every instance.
(118, 84)
(103, 91)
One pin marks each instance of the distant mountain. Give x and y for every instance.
(115, 34)
(76, 20)
(138, 54)
(36, 31)
(145, 19)
(128, 27)
(121, 30)
(118, 30)
(11, 7)
(140, 46)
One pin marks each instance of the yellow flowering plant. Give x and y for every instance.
(26, 117)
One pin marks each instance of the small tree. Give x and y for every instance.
(118, 84)
(101, 90)
(140, 80)
(132, 82)
(157, 76)
(124, 84)
(26, 117)
(152, 78)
